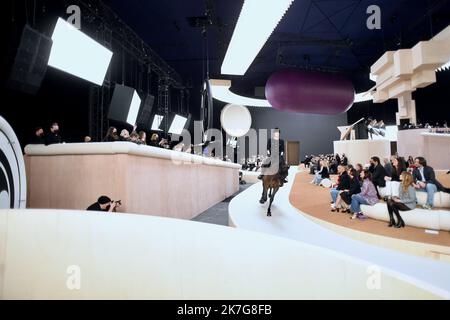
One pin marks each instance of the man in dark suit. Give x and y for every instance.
(53, 136)
(425, 181)
(378, 173)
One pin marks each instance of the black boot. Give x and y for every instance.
(391, 220)
(400, 222)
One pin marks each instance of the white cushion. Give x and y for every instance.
(327, 183)
(391, 189)
(420, 218)
(422, 198)
(445, 199)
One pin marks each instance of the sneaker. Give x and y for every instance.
(361, 216)
(427, 207)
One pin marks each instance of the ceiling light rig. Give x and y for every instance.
(257, 20)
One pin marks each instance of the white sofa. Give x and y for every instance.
(441, 199)
(421, 218)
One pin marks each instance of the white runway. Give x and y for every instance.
(246, 212)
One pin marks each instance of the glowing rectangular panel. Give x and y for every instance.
(157, 120)
(257, 21)
(178, 125)
(76, 53)
(134, 109)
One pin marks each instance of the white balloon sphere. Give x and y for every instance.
(236, 120)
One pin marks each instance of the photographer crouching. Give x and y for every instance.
(105, 204)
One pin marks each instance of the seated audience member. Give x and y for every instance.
(143, 137)
(410, 161)
(359, 168)
(406, 201)
(338, 159)
(378, 173)
(344, 199)
(39, 136)
(344, 160)
(368, 195)
(124, 135)
(342, 184)
(323, 173)
(425, 181)
(87, 139)
(111, 135)
(398, 167)
(164, 143)
(154, 140)
(388, 167)
(53, 136)
(134, 137)
(104, 204)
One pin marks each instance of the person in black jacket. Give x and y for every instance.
(111, 135)
(39, 136)
(346, 195)
(343, 184)
(277, 144)
(53, 136)
(425, 181)
(378, 173)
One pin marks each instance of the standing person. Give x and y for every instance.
(53, 136)
(277, 144)
(405, 202)
(425, 181)
(378, 173)
(154, 140)
(368, 195)
(39, 136)
(143, 137)
(111, 135)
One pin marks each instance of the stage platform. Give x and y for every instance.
(148, 180)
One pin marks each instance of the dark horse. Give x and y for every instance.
(271, 185)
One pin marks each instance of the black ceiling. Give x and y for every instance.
(326, 35)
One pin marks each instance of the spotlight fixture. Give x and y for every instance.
(257, 20)
(77, 54)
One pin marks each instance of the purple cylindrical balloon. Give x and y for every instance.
(309, 92)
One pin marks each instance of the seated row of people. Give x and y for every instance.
(357, 186)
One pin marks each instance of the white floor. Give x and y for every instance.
(246, 212)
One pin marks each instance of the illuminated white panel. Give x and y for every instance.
(134, 109)
(257, 20)
(157, 120)
(178, 125)
(363, 96)
(391, 134)
(75, 53)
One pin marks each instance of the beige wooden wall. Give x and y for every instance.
(146, 185)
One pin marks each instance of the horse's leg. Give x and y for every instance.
(264, 194)
(272, 197)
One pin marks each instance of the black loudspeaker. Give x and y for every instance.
(144, 119)
(120, 103)
(30, 64)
